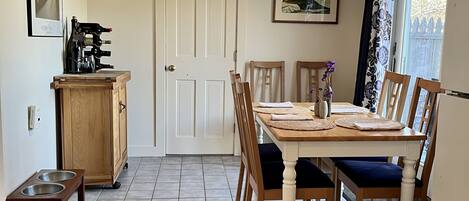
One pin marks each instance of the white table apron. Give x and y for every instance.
(292, 150)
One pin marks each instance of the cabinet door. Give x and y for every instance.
(87, 132)
(123, 121)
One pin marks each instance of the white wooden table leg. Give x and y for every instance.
(289, 181)
(290, 156)
(408, 180)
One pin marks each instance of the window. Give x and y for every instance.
(418, 40)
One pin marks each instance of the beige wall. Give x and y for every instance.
(27, 65)
(132, 49)
(263, 40)
(2, 167)
(259, 39)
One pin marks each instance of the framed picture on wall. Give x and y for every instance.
(45, 18)
(306, 11)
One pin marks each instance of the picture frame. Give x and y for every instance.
(306, 11)
(45, 18)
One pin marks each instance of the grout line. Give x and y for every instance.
(133, 177)
(180, 179)
(203, 176)
(227, 179)
(157, 175)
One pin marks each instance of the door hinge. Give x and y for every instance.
(235, 55)
(394, 48)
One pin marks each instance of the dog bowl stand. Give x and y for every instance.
(75, 184)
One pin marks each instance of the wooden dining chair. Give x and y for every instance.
(393, 95)
(265, 179)
(271, 75)
(372, 180)
(391, 105)
(267, 152)
(313, 78)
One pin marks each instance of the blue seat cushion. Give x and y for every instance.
(307, 175)
(270, 152)
(373, 159)
(373, 174)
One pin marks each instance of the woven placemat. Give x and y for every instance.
(294, 110)
(315, 125)
(349, 122)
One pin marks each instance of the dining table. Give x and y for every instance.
(343, 142)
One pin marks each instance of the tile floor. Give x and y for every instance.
(173, 178)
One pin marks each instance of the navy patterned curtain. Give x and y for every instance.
(374, 51)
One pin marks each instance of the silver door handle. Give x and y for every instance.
(171, 68)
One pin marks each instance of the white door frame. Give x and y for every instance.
(400, 29)
(241, 34)
(161, 76)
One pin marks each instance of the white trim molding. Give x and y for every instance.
(145, 151)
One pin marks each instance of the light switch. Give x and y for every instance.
(34, 117)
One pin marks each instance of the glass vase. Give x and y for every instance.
(329, 99)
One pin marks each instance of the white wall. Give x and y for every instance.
(2, 186)
(260, 39)
(263, 40)
(133, 49)
(27, 65)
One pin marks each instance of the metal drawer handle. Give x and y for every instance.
(122, 107)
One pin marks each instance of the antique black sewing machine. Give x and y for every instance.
(83, 52)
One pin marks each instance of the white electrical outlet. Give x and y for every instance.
(34, 117)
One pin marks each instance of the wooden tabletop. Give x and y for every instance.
(340, 133)
(102, 75)
(102, 78)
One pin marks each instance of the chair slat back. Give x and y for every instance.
(431, 90)
(313, 79)
(430, 156)
(241, 120)
(423, 116)
(235, 77)
(271, 75)
(393, 95)
(250, 137)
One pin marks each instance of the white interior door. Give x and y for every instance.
(200, 41)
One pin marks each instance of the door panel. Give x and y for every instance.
(200, 41)
(185, 108)
(214, 111)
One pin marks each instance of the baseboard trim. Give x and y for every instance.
(145, 151)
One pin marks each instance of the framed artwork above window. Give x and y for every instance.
(306, 11)
(45, 18)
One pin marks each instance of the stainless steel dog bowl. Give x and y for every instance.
(57, 176)
(43, 189)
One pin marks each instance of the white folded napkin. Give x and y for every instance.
(277, 105)
(378, 125)
(291, 117)
(345, 109)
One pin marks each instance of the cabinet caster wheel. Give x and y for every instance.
(126, 166)
(116, 185)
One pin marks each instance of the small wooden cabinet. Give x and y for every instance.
(93, 124)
